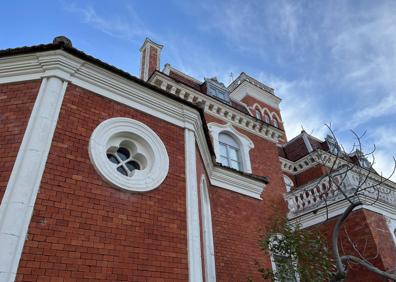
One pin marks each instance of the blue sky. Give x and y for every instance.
(330, 61)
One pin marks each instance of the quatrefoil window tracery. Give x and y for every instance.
(126, 158)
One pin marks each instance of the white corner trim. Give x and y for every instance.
(146, 143)
(146, 51)
(307, 143)
(245, 144)
(192, 206)
(208, 246)
(19, 198)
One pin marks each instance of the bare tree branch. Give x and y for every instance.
(369, 266)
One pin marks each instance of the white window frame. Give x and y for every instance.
(273, 263)
(228, 148)
(245, 144)
(113, 132)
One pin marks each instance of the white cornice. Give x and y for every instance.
(318, 216)
(217, 109)
(236, 182)
(320, 157)
(248, 89)
(112, 86)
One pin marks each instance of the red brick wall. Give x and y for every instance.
(250, 101)
(143, 62)
(153, 56)
(311, 174)
(239, 221)
(383, 239)
(296, 149)
(83, 229)
(16, 104)
(368, 231)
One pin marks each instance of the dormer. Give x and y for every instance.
(217, 89)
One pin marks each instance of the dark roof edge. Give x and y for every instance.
(73, 51)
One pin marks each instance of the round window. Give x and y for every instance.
(128, 154)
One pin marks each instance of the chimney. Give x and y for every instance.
(150, 53)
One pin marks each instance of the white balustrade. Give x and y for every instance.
(313, 194)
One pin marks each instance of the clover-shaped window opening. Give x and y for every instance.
(126, 159)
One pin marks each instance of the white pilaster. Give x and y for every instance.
(19, 198)
(208, 246)
(192, 206)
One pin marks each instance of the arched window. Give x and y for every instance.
(209, 257)
(288, 183)
(275, 122)
(284, 265)
(229, 151)
(258, 114)
(266, 118)
(231, 146)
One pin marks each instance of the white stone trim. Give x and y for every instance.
(232, 181)
(289, 184)
(192, 206)
(313, 218)
(146, 51)
(148, 143)
(218, 109)
(245, 144)
(129, 93)
(306, 142)
(208, 246)
(248, 89)
(146, 47)
(278, 119)
(391, 222)
(19, 198)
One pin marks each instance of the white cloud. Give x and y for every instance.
(385, 143)
(364, 54)
(130, 28)
(300, 109)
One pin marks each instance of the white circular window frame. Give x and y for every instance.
(156, 155)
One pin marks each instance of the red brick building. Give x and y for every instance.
(108, 177)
